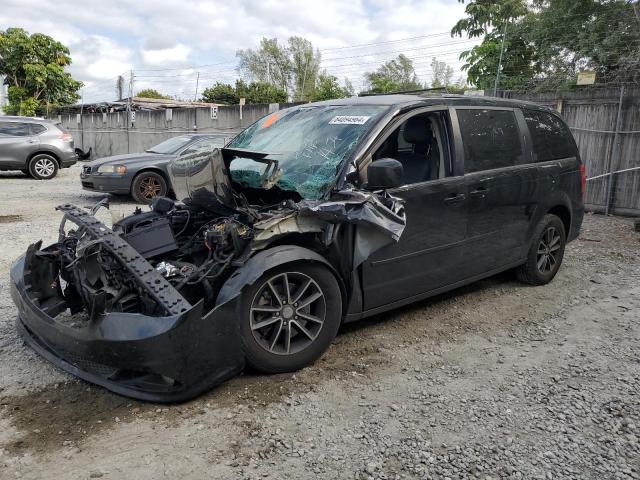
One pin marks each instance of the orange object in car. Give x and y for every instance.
(271, 119)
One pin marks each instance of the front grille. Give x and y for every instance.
(87, 184)
(86, 169)
(87, 365)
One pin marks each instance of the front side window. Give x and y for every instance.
(491, 139)
(300, 149)
(552, 139)
(419, 144)
(14, 129)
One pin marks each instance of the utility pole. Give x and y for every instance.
(195, 97)
(128, 121)
(81, 119)
(504, 35)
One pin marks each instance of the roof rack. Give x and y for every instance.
(422, 91)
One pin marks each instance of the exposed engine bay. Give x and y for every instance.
(193, 249)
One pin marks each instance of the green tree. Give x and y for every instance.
(546, 42)
(595, 35)
(292, 67)
(497, 21)
(261, 92)
(254, 92)
(221, 93)
(441, 73)
(393, 76)
(328, 88)
(152, 93)
(268, 64)
(33, 66)
(305, 65)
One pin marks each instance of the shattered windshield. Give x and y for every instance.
(300, 149)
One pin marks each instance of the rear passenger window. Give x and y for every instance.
(14, 129)
(491, 139)
(551, 137)
(37, 129)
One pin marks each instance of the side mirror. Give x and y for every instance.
(384, 173)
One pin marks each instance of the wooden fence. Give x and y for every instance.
(605, 122)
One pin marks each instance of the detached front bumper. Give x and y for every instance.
(159, 359)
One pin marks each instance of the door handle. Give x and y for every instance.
(455, 198)
(479, 192)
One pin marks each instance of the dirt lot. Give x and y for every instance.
(495, 380)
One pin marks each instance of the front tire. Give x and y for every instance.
(148, 185)
(43, 167)
(546, 252)
(289, 317)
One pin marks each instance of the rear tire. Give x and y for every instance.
(148, 185)
(546, 252)
(43, 167)
(284, 331)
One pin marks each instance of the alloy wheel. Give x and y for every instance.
(548, 247)
(44, 167)
(287, 313)
(150, 187)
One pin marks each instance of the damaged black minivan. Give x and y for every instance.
(315, 215)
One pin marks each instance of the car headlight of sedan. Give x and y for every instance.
(117, 169)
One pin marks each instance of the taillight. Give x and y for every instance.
(583, 179)
(66, 137)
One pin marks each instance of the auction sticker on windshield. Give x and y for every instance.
(349, 120)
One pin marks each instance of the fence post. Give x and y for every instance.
(615, 154)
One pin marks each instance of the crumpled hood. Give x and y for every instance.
(131, 158)
(203, 178)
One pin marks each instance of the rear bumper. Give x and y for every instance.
(68, 160)
(576, 222)
(158, 359)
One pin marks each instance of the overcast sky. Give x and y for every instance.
(167, 42)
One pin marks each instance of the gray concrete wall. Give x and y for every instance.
(111, 134)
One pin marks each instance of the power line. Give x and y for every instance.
(361, 45)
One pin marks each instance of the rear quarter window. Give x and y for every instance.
(37, 129)
(551, 138)
(491, 139)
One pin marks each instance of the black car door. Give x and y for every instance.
(429, 254)
(504, 188)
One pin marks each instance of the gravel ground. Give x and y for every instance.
(494, 380)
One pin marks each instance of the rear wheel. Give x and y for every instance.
(148, 185)
(43, 167)
(546, 252)
(289, 317)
